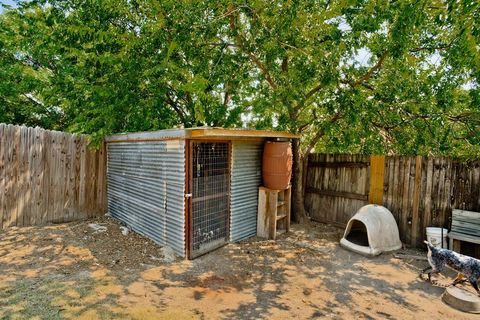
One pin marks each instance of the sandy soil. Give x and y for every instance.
(69, 271)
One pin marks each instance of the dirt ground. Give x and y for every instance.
(72, 271)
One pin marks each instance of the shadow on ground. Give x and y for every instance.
(72, 271)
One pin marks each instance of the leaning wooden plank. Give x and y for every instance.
(435, 191)
(421, 205)
(59, 179)
(39, 175)
(69, 178)
(447, 194)
(77, 178)
(62, 181)
(8, 196)
(20, 185)
(95, 192)
(403, 196)
(91, 180)
(27, 189)
(49, 177)
(411, 188)
(443, 192)
(55, 177)
(30, 208)
(83, 177)
(16, 175)
(45, 165)
(427, 218)
(398, 188)
(2, 173)
(416, 199)
(103, 175)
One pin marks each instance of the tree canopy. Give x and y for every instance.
(350, 76)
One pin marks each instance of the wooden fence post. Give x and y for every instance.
(416, 199)
(377, 172)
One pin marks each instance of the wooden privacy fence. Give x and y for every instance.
(48, 176)
(419, 191)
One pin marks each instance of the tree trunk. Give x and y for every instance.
(298, 208)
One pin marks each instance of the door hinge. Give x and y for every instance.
(188, 195)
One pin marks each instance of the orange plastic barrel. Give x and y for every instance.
(277, 165)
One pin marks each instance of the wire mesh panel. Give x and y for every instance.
(210, 196)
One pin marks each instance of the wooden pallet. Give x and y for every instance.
(273, 212)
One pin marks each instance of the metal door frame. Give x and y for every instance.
(189, 192)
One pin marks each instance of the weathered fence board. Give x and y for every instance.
(49, 176)
(337, 186)
(419, 191)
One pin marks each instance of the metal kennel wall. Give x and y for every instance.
(145, 187)
(191, 189)
(246, 178)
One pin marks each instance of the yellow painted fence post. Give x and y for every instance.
(377, 169)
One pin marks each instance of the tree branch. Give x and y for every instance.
(370, 72)
(303, 127)
(285, 64)
(308, 95)
(321, 132)
(263, 68)
(176, 108)
(313, 91)
(34, 101)
(360, 81)
(226, 97)
(240, 44)
(366, 85)
(441, 47)
(465, 117)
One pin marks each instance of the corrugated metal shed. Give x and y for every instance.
(246, 178)
(146, 183)
(149, 181)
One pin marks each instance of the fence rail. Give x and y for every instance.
(48, 176)
(419, 191)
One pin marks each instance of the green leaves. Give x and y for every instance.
(351, 76)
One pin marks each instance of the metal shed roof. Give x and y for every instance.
(200, 133)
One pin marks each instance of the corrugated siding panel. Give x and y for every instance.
(146, 185)
(246, 178)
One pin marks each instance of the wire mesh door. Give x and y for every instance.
(210, 188)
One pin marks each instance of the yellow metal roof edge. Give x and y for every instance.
(239, 132)
(199, 132)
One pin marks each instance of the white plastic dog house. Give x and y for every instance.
(371, 231)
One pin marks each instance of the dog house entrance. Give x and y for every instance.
(371, 231)
(210, 188)
(358, 234)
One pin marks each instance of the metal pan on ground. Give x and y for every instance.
(461, 300)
